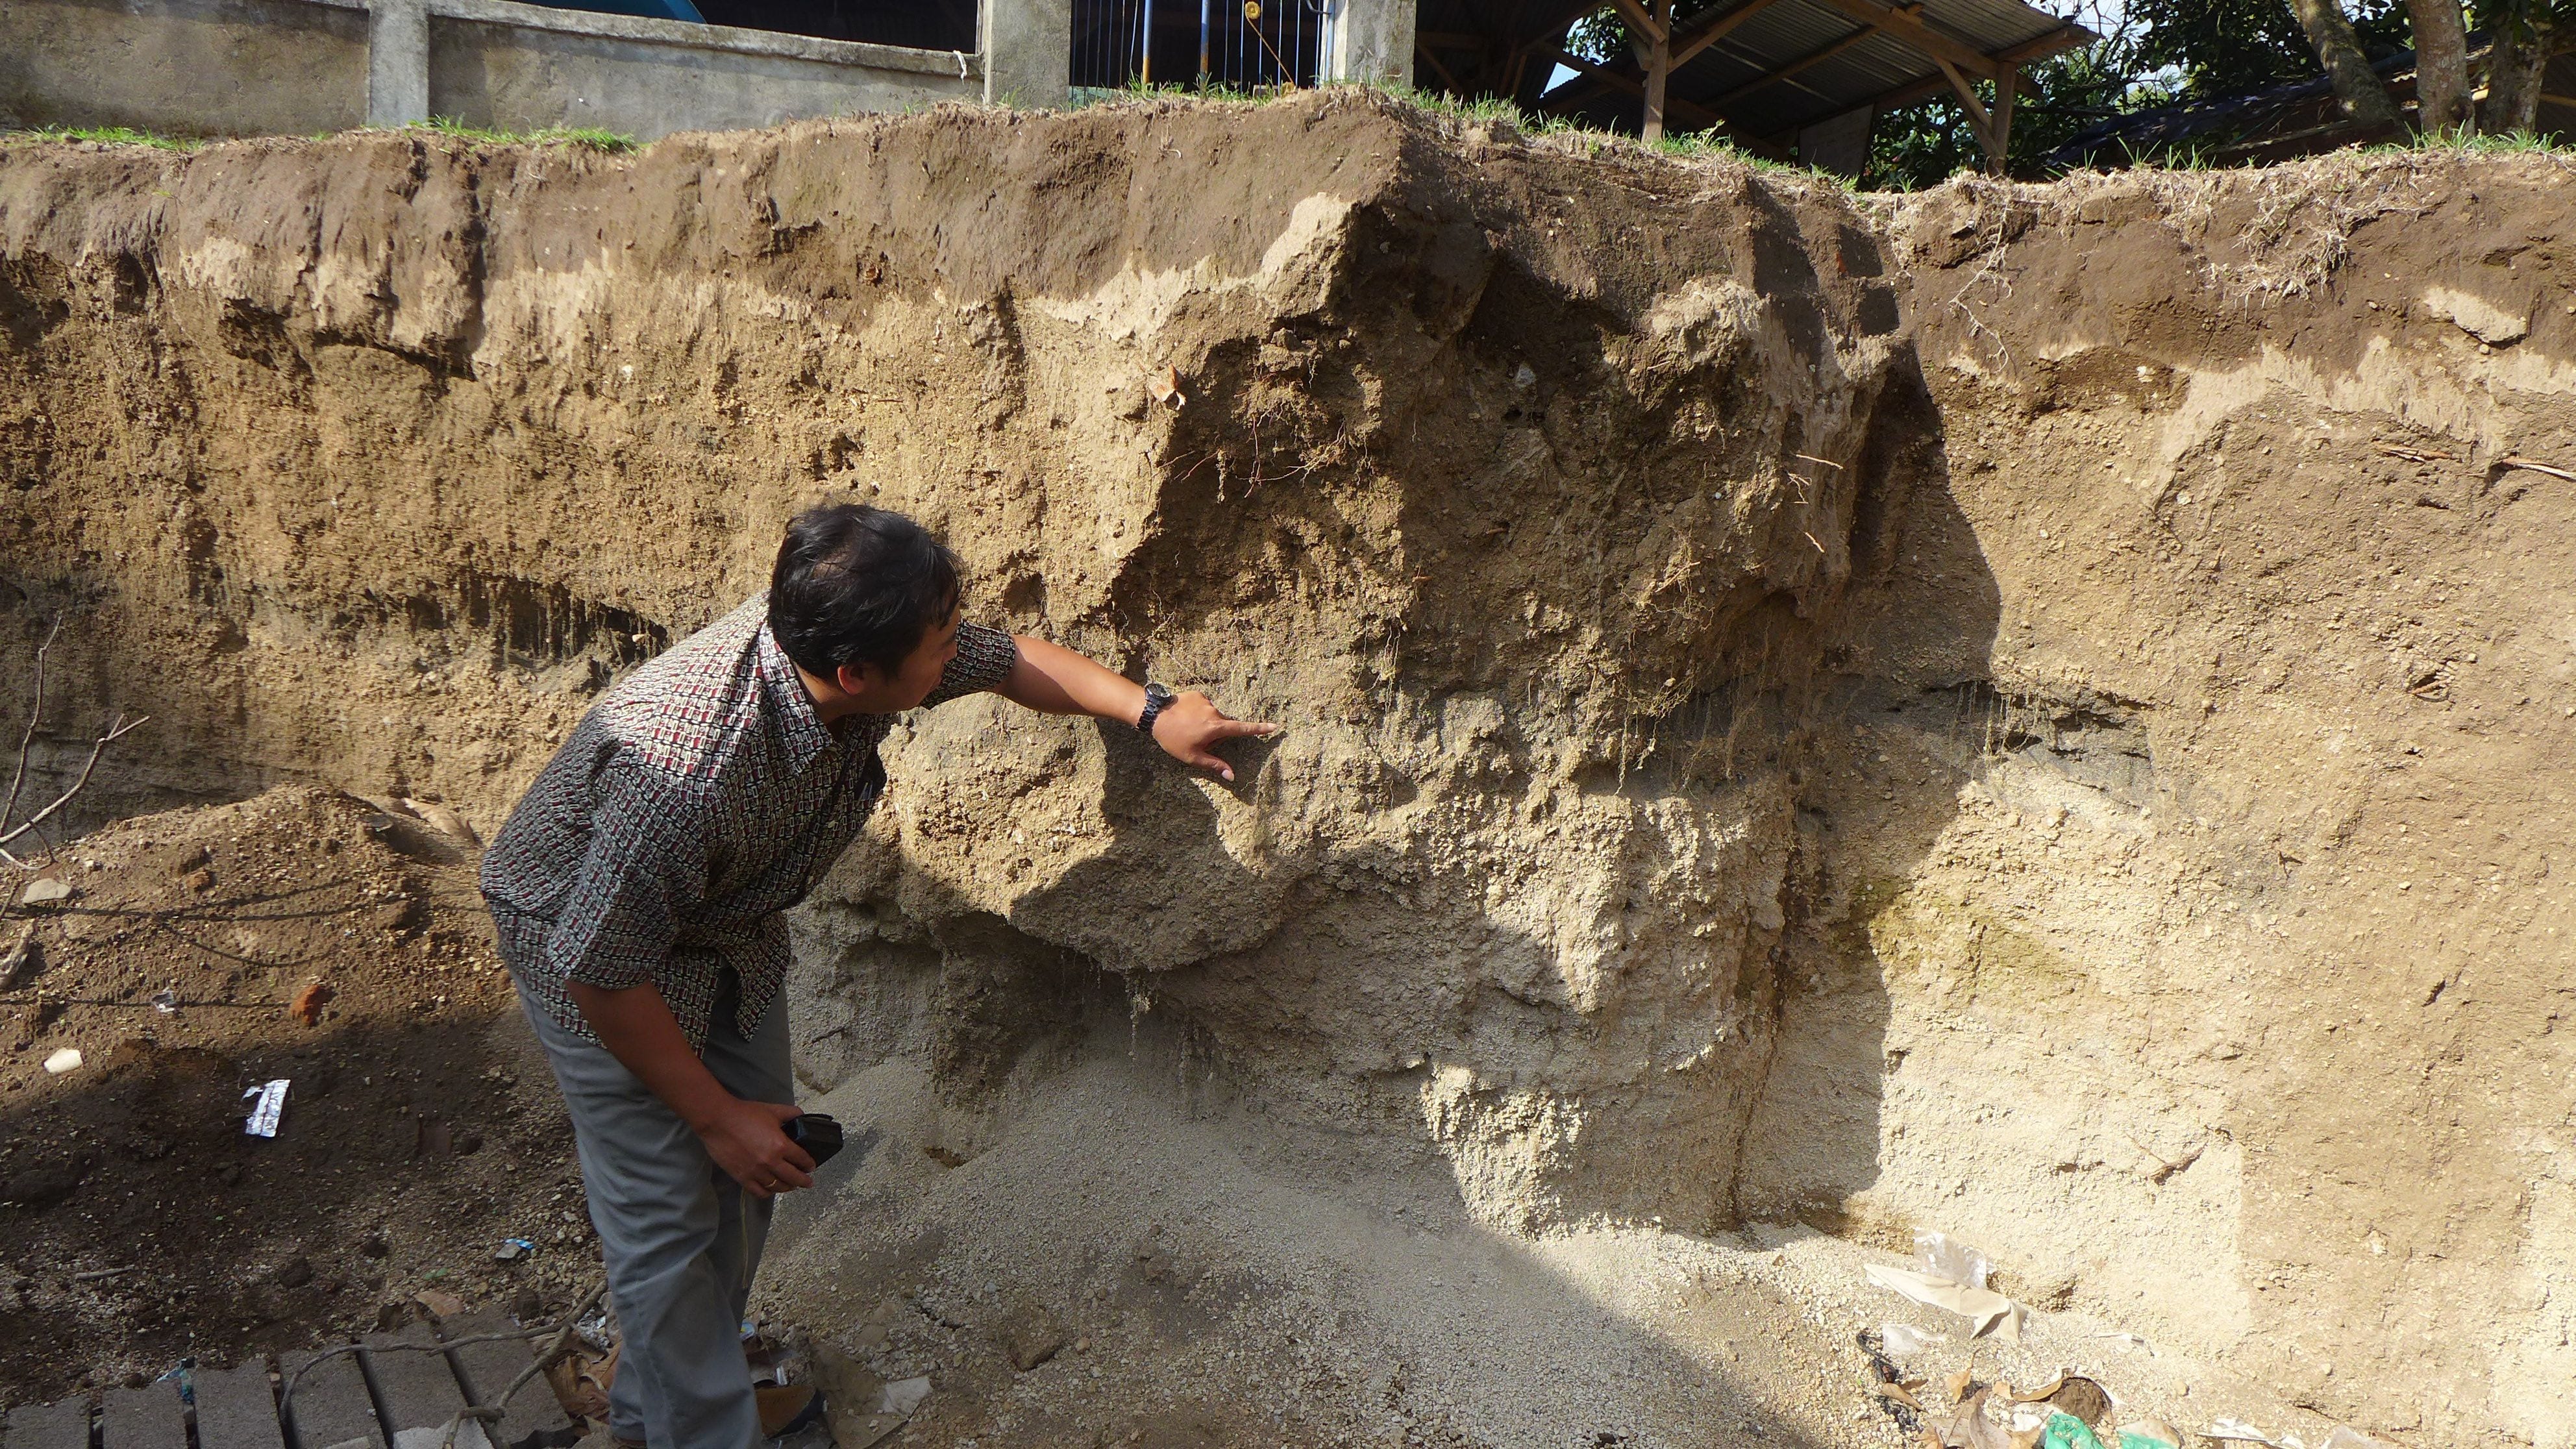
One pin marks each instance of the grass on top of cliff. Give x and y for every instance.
(588, 138)
(2204, 156)
(109, 136)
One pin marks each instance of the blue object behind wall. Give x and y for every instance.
(650, 9)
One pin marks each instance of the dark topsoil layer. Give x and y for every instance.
(141, 1223)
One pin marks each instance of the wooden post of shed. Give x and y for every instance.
(1991, 126)
(1655, 28)
(1659, 69)
(1998, 153)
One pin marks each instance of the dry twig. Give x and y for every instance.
(35, 711)
(2531, 466)
(486, 1414)
(117, 729)
(553, 1352)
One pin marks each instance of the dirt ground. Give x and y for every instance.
(143, 1224)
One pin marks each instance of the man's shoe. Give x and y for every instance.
(786, 1408)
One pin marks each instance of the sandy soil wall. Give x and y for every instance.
(2036, 712)
(2226, 981)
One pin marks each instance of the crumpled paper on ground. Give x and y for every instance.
(1987, 1311)
(1944, 1256)
(266, 1112)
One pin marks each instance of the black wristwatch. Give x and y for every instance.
(1156, 697)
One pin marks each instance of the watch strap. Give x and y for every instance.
(1156, 697)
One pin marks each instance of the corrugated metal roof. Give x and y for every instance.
(1861, 68)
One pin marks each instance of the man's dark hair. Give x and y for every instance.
(857, 585)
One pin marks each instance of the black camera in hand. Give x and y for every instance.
(819, 1135)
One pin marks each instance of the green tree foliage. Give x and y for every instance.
(2152, 53)
(1602, 34)
(1929, 141)
(2227, 47)
(2526, 34)
(2155, 53)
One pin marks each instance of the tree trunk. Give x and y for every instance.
(2441, 66)
(2514, 64)
(2339, 50)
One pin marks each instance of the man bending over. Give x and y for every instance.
(637, 892)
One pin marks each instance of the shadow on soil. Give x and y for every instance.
(1911, 664)
(140, 1224)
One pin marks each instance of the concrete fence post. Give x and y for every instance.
(397, 62)
(1028, 52)
(1372, 42)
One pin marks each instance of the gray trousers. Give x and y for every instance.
(681, 1237)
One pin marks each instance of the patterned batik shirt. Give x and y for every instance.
(696, 801)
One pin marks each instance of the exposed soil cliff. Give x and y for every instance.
(2034, 712)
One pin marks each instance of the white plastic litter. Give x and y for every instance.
(903, 1396)
(1985, 1311)
(1944, 1256)
(2347, 1437)
(1903, 1339)
(265, 1112)
(2236, 1430)
(66, 1060)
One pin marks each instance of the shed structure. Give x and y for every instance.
(1793, 79)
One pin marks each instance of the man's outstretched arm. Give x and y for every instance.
(1054, 679)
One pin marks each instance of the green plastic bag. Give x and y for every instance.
(2065, 1431)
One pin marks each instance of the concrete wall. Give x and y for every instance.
(184, 67)
(267, 67)
(522, 67)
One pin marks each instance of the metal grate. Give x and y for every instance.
(1238, 44)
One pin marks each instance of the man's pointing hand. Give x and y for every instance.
(1191, 723)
